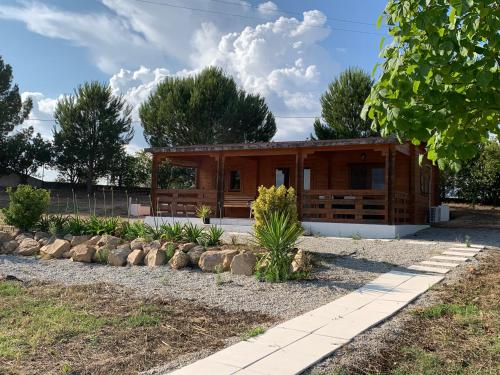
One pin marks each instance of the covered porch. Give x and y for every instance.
(362, 181)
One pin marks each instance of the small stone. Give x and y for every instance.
(111, 242)
(195, 254)
(55, 249)
(78, 240)
(136, 257)
(28, 246)
(8, 247)
(211, 261)
(155, 257)
(187, 246)
(82, 253)
(138, 243)
(243, 264)
(179, 260)
(118, 257)
(39, 235)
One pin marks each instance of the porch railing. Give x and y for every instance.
(184, 202)
(401, 208)
(349, 206)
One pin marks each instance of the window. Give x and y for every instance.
(307, 179)
(366, 176)
(234, 181)
(425, 179)
(283, 177)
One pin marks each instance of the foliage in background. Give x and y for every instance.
(206, 108)
(341, 107)
(26, 206)
(93, 126)
(440, 80)
(479, 179)
(278, 234)
(274, 199)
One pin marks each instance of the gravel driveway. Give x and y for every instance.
(346, 264)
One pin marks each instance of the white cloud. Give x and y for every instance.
(268, 8)
(41, 115)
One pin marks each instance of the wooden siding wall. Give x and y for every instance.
(207, 173)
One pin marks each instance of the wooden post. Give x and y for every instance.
(154, 185)
(220, 185)
(392, 183)
(299, 180)
(411, 190)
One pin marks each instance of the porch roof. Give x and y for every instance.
(274, 145)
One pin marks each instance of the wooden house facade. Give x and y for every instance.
(366, 181)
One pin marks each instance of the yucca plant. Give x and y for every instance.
(136, 229)
(75, 225)
(172, 232)
(56, 224)
(102, 225)
(192, 232)
(279, 235)
(212, 236)
(204, 212)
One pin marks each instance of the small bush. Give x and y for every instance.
(192, 232)
(101, 256)
(75, 225)
(212, 236)
(26, 206)
(103, 225)
(172, 232)
(170, 251)
(136, 229)
(203, 211)
(278, 234)
(275, 200)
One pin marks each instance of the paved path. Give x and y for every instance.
(299, 343)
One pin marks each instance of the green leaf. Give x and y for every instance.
(441, 31)
(431, 154)
(416, 85)
(381, 45)
(452, 18)
(484, 78)
(374, 70)
(379, 21)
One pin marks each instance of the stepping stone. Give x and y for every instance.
(429, 269)
(242, 354)
(278, 337)
(205, 366)
(480, 247)
(352, 324)
(439, 264)
(459, 253)
(388, 307)
(456, 259)
(468, 249)
(427, 243)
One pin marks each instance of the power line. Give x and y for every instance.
(247, 17)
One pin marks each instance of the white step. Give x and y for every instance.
(439, 264)
(429, 269)
(446, 258)
(466, 249)
(459, 253)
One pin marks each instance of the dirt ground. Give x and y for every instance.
(101, 329)
(465, 216)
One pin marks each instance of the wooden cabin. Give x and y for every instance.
(364, 181)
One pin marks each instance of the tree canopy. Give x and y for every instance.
(440, 81)
(341, 107)
(206, 108)
(93, 126)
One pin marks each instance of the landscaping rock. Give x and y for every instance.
(94, 240)
(28, 246)
(195, 254)
(179, 260)
(68, 237)
(23, 236)
(301, 262)
(55, 249)
(5, 236)
(153, 245)
(44, 241)
(82, 253)
(8, 247)
(111, 242)
(187, 246)
(136, 257)
(78, 240)
(155, 257)
(138, 243)
(243, 264)
(166, 245)
(118, 257)
(39, 235)
(211, 261)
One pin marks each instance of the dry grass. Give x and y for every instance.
(100, 329)
(459, 334)
(465, 216)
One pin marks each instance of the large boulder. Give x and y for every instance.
(78, 240)
(138, 244)
(153, 245)
(55, 249)
(8, 247)
(82, 253)
(44, 241)
(28, 246)
(5, 236)
(39, 235)
(187, 246)
(68, 237)
(94, 240)
(155, 257)
(109, 241)
(243, 264)
(179, 260)
(301, 262)
(118, 256)
(195, 254)
(136, 257)
(23, 236)
(217, 260)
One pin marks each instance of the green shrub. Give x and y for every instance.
(212, 236)
(192, 232)
(75, 225)
(275, 200)
(172, 232)
(26, 206)
(278, 234)
(101, 256)
(136, 229)
(170, 251)
(103, 225)
(203, 211)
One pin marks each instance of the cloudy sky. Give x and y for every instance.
(286, 51)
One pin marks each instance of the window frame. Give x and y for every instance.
(229, 185)
(369, 174)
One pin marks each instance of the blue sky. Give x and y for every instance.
(286, 51)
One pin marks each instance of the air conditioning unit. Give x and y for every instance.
(435, 215)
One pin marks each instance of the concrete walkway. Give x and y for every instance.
(299, 343)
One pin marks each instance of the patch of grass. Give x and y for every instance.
(442, 309)
(148, 315)
(253, 332)
(9, 289)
